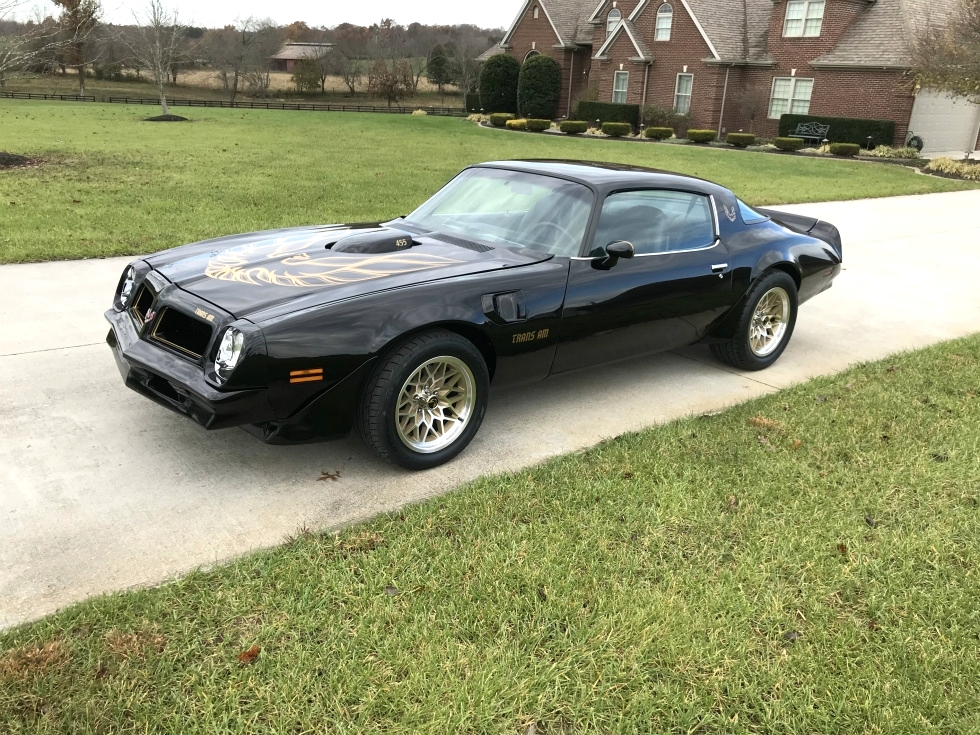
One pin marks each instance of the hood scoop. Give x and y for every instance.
(374, 241)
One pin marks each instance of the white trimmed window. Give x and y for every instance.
(803, 18)
(621, 80)
(664, 18)
(682, 93)
(612, 20)
(790, 94)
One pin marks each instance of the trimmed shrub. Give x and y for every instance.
(498, 84)
(499, 119)
(845, 149)
(573, 127)
(539, 87)
(788, 144)
(844, 129)
(701, 136)
(518, 124)
(658, 133)
(656, 116)
(609, 112)
(616, 129)
(537, 125)
(740, 140)
(472, 102)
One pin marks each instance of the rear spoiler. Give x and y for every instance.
(806, 226)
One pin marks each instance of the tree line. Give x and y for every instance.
(385, 59)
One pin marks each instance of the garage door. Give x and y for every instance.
(944, 123)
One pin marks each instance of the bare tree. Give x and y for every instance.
(232, 51)
(21, 48)
(157, 43)
(78, 21)
(946, 53)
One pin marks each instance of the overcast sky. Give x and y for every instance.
(217, 13)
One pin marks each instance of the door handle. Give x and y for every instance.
(719, 267)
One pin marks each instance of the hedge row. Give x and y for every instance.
(609, 112)
(740, 140)
(701, 136)
(658, 133)
(788, 144)
(844, 129)
(573, 127)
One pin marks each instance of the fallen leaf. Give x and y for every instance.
(797, 444)
(627, 475)
(391, 591)
(76, 201)
(791, 636)
(764, 441)
(885, 437)
(542, 594)
(101, 674)
(732, 502)
(332, 476)
(249, 656)
(762, 422)
(849, 386)
(871, 521)
(892, 369)
(531, 729)
(820, 399)
(842, 548)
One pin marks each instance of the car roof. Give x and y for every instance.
(609, 175)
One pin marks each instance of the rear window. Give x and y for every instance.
(749, 215)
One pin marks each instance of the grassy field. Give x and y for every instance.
(111, 184)
(803, 563)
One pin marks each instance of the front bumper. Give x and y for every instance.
(179, 385)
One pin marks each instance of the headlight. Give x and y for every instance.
(126, 288)
(229, 352)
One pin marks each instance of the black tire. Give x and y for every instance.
(739, 351)
(377, 415)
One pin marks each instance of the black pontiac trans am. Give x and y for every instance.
(514, 271)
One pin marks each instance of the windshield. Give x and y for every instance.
(512, 208)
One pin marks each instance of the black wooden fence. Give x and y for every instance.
(309, 106)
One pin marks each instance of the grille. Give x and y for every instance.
(144, 299)
(462, 242)
(182, 332)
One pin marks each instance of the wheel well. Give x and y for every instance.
(466, 331)
(789, 270)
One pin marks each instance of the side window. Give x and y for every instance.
(655, 221)
(749, 215)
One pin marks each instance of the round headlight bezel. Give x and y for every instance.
(229, 354)
(127, 286)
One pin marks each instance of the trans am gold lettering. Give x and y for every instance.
(523, 337)
(204, 315)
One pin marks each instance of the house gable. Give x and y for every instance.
(527, 15)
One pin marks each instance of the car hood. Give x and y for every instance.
(261, 274)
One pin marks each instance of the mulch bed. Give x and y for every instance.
(166, 118)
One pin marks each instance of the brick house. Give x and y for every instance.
(740, 64)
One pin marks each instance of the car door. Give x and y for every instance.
(675, 286)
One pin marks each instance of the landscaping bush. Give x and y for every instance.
(616, 129)
(844, 149)
(658, 133)
(539, 87)
(419, 113)
(499, 119)
(701, 136)
(665, 117)
(886, 151)
(306, 76)
(844, 129)
(537, 125)
(788, 144)
(573, 127)
(498, 84)
(472, 102)
(951, 167)
(740, 140)
(609, 112)
(518, 124)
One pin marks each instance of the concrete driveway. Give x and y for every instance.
(102, 490)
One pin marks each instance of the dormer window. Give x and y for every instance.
(803, 18)
(612, 20)
(664, 17)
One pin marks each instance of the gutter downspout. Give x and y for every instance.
(571, 81)
(646, 76)
(724, 95)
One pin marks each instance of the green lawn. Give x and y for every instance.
(803, 563)
(112, 184)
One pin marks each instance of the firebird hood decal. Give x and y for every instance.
(286, 261)
(261, 274)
